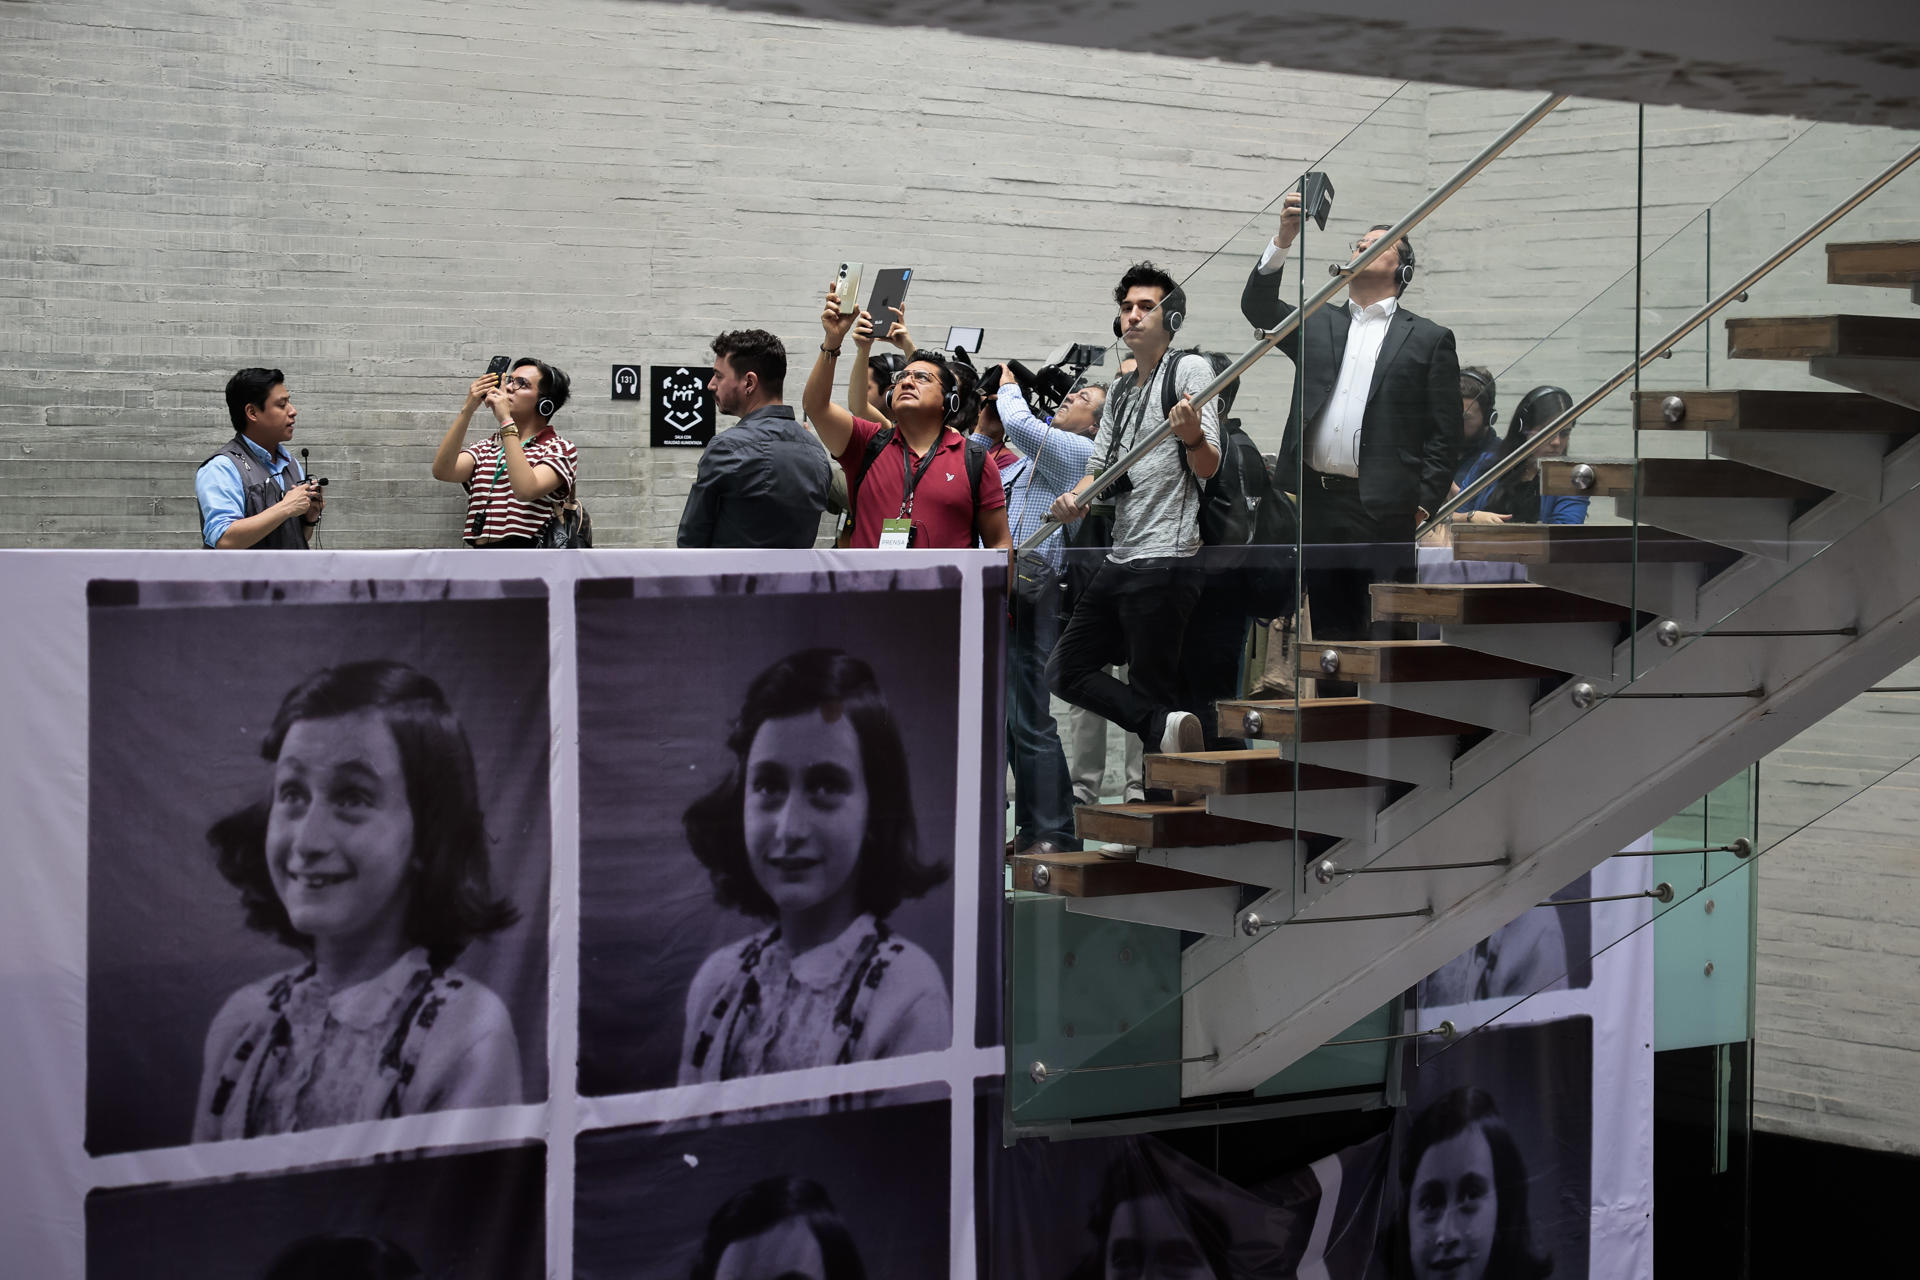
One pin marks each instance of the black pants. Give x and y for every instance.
(1136, 614)
(1211, 658)
(1348, 549)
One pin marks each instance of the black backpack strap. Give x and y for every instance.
(876, 445)
(976, 466)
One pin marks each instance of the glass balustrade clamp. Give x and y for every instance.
(1662, 892)
(1272, 338)
(1739, 845)
(1251, 924)
(1669, 634)
(1445, 1031)
(1528, 450)
(1326, 871)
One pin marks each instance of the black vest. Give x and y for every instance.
(261, 491)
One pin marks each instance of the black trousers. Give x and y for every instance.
(1346, 550)
(1136, 614)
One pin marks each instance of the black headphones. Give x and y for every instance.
(1172, 311)
(1485, 394)
(1404, 275)
(952, 399)
(1531, 404)
(546, 407)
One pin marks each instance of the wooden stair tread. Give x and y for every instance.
(1582, 544)
(1487, 604)
(1701, 478)
(1331, 720)
(1251, 772)
(1874, 262)
(1166, 826)
(1808, 337)
(1089, 875)
(1746, 410)
(1413, 662)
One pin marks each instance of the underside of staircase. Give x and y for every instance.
(1747, 596)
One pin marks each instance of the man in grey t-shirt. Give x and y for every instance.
(1134, 610)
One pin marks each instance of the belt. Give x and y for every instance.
(1332, 483)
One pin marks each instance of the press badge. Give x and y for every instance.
(896, 535)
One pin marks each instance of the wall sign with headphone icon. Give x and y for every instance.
(626, 382)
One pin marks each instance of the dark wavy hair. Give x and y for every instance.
(555, 385)
(1513, 1256)
(766, 1204)
(1134, 1176)
(1172, 296)
(755, 351)
(344, 1258)
(890, 869)
(452, 894)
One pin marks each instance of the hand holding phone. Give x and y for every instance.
(846, 287)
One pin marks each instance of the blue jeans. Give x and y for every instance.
(1042, 789)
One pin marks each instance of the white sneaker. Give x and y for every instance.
(1183, 733)
(1126, 852)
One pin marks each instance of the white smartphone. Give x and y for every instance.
(846, 287)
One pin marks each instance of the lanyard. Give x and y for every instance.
(500, 467)
(910, 478)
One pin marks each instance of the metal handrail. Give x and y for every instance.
(1538, 441)
(1274, 336)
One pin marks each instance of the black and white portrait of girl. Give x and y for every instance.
(813, 832)
(768, 806)
(370, 860)
(319, 852)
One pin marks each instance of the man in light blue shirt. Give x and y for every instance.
(1053, 459)
(251, 492)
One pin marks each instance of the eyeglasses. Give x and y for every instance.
(517, 383)
(920, 376)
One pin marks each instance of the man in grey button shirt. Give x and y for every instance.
(1135, 608)
(764, 481)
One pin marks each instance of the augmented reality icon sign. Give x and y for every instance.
(683, 410)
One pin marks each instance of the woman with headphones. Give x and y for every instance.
(517, 478)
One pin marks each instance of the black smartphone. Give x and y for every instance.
(889, 291)
(1316, 197)
(498, 366)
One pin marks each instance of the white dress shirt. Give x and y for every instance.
(1333, 440)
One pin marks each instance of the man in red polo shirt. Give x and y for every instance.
(916, 491)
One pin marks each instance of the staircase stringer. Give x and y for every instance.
(1258, 1005)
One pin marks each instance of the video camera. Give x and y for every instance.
(1055, 380)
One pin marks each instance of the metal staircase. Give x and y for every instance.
(1363, 842)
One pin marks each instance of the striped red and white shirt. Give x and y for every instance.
(491, 488)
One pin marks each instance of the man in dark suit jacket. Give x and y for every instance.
(1380, 404)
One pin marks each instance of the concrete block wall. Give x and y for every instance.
(377, 197)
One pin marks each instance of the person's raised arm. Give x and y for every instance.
(450, 461)
(530, 481)
(1068, 508)
(897, 332)
(858, 375)
(832, 423)
(1059, 456)
(1260, 300)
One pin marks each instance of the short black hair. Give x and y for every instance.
(1403, 247)
(890, 869)
(452, 895)
(250, 387)
(765, 1205)
(754, 351)
(555, 385)
(343, 1258)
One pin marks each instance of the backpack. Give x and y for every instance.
(1230, 497)
(877, 445)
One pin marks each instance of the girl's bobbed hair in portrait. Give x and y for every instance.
(344, 1258)
(765, 1205)
(1513, 1256)
(832, 682)
(452, 900)
(1134, 1175)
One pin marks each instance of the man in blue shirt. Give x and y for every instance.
(1053, 459)
(251, 492)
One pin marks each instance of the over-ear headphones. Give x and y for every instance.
(1486, 392)
(1172, 311)
(949, 382)
(1540, 406)
(546, 407)
(1404, 275)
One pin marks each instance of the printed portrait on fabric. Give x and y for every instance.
(854, 1194)
(767, 817)
(478, 1215)
(318, 855)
